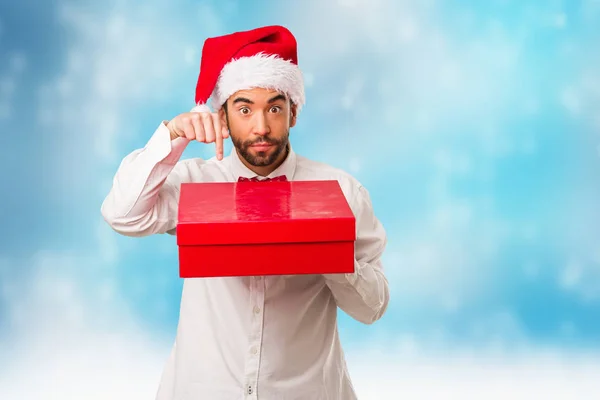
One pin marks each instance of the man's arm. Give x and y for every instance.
(144, 195)
(364, 294)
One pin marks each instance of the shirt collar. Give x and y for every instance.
(287, 167)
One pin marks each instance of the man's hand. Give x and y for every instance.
(204, 127)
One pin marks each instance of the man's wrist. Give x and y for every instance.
(171, 133)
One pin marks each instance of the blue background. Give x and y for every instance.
(475, 126)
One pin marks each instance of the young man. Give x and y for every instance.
(272, 337)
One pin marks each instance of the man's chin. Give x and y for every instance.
(259, 161)
(262, 156)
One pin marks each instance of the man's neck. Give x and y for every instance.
(267, 169)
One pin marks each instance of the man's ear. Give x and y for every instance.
(293, 110)
(222, 116)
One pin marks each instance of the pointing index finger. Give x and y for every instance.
(218, 136)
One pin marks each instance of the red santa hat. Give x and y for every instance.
(264, 57)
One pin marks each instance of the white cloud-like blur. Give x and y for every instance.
(473, 376)
(69, 344)
(72, 340)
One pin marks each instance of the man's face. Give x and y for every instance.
(259, 122)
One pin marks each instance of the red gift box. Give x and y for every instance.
(264, 228)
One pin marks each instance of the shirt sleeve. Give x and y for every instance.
(145, 191)
(364, 294)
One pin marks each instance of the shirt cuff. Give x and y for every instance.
(161, 146)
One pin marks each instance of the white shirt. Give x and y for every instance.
(267, 338)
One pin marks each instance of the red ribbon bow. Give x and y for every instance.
(281, 178)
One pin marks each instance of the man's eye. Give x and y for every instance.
(275, 109)
(245, 110)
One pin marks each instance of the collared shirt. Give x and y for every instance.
(255, 337)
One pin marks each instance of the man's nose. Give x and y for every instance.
(261, 125)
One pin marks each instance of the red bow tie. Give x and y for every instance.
(281, 178)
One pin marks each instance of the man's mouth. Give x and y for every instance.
(261, 146)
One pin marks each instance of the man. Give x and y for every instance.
(272, 337)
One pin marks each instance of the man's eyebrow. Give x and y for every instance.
(242, 100)
(278, 97)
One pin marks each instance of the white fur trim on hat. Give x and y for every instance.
(260, 70)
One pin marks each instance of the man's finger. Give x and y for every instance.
(197, 124)
(225, 131)
(218, 136)
(188, 129)
(200, 132)
(209, 129)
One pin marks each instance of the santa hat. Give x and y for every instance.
(264, 57)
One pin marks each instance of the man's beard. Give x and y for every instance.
(262, 158)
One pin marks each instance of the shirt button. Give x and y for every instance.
(256, 309)
(254, 350)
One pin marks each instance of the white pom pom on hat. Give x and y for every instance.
(201, 108)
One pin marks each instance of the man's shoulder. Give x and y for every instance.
(310, 166)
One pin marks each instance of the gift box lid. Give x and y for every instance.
(224, 213)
